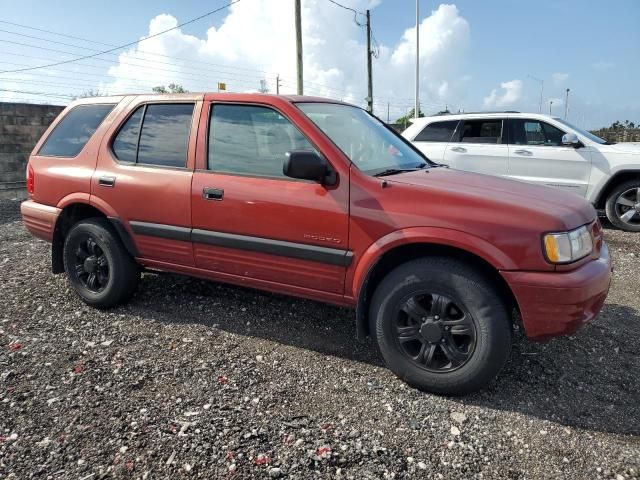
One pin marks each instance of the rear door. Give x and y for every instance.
(478, 146)
(144, 174)
(432, 140)
(249, 220)
(536, 155)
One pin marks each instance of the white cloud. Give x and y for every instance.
(602, 65)
(560, 77)
(507, 96)
(258, 35)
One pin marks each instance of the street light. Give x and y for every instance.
(550, 103)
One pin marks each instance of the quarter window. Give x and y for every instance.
(156, 134)
(534, 133)
(125, 145)
(251, 140)
(437, 132)
(481, 131)
(74, 130)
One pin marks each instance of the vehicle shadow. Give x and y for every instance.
(588, 380)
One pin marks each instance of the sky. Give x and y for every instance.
(474, 55)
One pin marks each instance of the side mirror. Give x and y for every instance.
(308, 165)
(571, 139)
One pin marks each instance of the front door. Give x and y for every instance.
(249, 220)
(537, 155)
(478, 146)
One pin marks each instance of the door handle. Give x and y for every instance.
(459, 149)
(209, 193)
(107, 181)
(523, 152)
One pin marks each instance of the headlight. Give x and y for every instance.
(567, 247)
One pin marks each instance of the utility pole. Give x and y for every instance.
(550, 103)
(566, 104)
(541, 90)
(369, 74)
(299, 45)
(388, 104)
(278, 84)
(417, 106)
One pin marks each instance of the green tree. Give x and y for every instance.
(89, 93)
(172, 88)
(618, 126)
(405, 120)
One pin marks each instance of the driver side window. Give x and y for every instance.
(534, 133)
(251, 140)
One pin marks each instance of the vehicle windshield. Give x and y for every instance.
(371, 146)
(582, 132)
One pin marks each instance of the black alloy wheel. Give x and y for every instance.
(91, 265)
(441, 324)
(435, 332)
(98, 265)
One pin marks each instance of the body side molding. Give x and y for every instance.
(303, 251)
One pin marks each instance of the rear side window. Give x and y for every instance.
(437, 132)
(74, 130)
(482, 131)
(251, 140)
(156, 134)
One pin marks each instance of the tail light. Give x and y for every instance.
(31, 179)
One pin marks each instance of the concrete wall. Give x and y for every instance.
(21, 126)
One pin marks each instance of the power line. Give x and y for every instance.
(145, 52)
(126, 44)
(355, 12)
(133, 64)
(42, 94)
(335, 91)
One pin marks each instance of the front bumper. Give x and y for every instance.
(559, 303)
(39, 219)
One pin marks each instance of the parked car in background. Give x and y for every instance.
(538, 149)
(315, 198)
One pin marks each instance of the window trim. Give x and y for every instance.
(211, 106)
(113, 106)
(541, 122)
(460, 129)
(130, 114)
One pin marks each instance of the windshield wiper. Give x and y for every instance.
(393, 171)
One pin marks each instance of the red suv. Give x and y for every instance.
(315, 198)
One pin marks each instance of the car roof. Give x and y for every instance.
(193, 96)
(470, 115)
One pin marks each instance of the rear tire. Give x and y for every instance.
(98, 266)
(623, 206)
(440, 326)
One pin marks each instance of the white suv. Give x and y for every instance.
(539, 149)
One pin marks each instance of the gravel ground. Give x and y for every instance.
(196, 379)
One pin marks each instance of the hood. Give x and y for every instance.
(542, 207)
(623, 147)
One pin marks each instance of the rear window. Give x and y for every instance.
(437, 132)
(74, 130)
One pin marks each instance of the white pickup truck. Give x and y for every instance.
(539, 149)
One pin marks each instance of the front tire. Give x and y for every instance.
(98, 266)
(440, 326)
(623, 206)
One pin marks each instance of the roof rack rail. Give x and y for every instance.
(465, 113)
